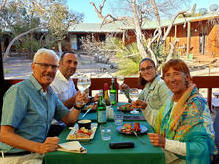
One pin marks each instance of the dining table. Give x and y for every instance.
(99, 151)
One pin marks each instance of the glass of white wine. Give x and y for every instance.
(134, 93)
(83, 83)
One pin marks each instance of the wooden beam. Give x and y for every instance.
(2, 80)
(175, 32)
(123, 37)
(188, 38)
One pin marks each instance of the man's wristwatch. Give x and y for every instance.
(78, 108)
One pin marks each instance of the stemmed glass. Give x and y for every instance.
(120, 81)
(83, 83)
(134, 93)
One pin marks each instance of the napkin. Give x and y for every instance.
(72, 146)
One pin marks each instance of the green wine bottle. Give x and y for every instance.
(113, 92)
(101, 110)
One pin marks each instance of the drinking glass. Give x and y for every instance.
(133, 94)
(105, 133)
(118, 119)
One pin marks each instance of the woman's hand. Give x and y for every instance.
(157, 140)
(139, 104)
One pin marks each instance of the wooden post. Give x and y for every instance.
(123, 37)
(2, 81)
(188, 39)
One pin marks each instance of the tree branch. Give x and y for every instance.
(3, 4)
(171, 24)
(17, 37)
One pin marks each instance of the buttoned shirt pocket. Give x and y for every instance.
(153, 101)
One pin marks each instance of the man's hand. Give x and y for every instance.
(157, 140)
(123, 86)
(139, 104)
(80, 99)
(96, 97)
(50, 144)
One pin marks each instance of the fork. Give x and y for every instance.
(142, 141)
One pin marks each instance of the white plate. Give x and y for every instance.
(71, 135)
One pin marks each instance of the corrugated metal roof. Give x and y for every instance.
(95, 27)
(121, 26)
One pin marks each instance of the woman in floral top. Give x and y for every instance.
(184, 127)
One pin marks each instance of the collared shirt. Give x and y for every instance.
(29, 111)
(64, 88)
(155, 95)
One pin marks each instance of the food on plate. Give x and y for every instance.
(126, 107)
(81, 133)
(129, 129)
(137, 127)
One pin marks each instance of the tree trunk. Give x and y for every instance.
(153, 56)
(139, 34)
(17, 37)
(60, 48)
(172, 46)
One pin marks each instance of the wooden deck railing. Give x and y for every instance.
(208, 82)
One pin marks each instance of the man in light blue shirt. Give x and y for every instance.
(28, 109)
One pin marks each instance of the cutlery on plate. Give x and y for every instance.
(86, 112)
(142, 141)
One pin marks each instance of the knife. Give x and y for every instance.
(86, 112)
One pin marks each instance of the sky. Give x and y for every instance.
(84, 6)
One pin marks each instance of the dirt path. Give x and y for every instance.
(20, 68)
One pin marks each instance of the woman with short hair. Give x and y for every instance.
(184, 127)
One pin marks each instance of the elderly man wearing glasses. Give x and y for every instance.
(155, 91)
(28, 109)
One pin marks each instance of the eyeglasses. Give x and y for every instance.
(173, 75)
(46, 66)
(148, 68)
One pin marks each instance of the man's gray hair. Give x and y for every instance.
(42, 51)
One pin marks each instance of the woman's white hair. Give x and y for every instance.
(43, 51)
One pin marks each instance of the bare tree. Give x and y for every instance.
(143, 11)
(52, 16)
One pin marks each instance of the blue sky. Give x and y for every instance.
(83, 6)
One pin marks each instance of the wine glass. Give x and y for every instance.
(134, 93)
(120, 81)
(83, 83)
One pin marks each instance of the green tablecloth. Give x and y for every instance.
(98, 151)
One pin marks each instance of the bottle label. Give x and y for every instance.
(113, 98)
(101, 116)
